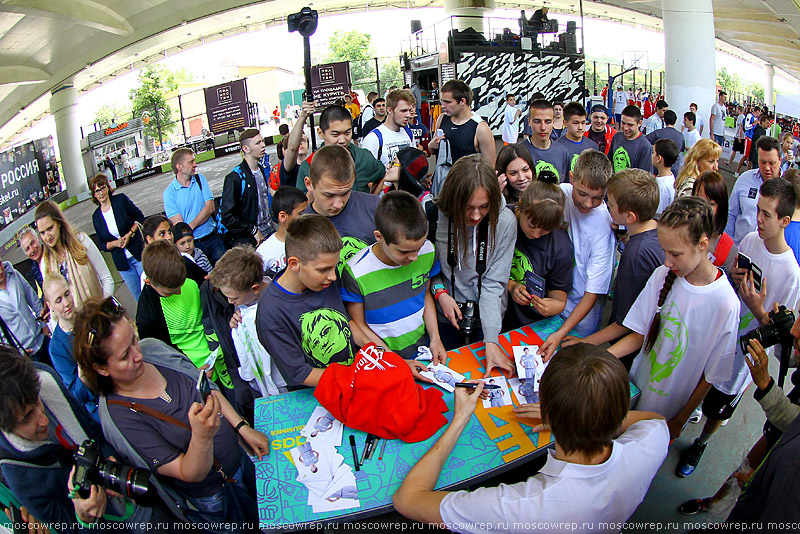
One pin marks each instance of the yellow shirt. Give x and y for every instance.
(353, 109)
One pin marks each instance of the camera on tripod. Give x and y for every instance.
(92, 469)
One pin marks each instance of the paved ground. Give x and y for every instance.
(667, 491)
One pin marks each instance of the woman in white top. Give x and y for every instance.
(73, 254)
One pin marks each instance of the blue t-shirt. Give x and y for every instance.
(792, 234)
(61, 354)
(188, 201)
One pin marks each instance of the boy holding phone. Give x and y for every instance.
(765, 250)
(541, 269)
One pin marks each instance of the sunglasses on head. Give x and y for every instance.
(100, 323)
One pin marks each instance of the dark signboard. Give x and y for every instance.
(226, 106)
(330, 82)
(227, 149)
(28, 175)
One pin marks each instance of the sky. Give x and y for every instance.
(279, 48)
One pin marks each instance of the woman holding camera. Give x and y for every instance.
(150, 397)
(475, 238)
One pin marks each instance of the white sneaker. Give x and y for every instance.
(697, 414)
(736, 175)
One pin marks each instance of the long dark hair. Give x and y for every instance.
(693, 213)
(468, 175)
(506, 155)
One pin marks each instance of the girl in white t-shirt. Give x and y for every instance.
(685, 319)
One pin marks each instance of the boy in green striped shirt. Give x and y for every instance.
(386, 287)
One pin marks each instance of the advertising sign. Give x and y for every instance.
(226, 106)
(330, 82)
(28, 175)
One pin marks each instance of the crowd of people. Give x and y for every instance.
(303, 264)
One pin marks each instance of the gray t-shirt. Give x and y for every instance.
(355, 223)
(640, 258)
(303, 331)
(161, 442)
(574, 149)
(554, 159)
(669, 133)
(631, 154)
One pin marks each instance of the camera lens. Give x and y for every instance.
(129, 481)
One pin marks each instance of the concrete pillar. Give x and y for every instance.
(474, 9)
(689, 56)
(769, 97)
(63, 106)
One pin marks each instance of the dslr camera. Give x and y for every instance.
(470, 319)
(775, 332)
(92, 469)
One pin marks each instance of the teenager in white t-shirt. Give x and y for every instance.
(780, 283)
(665, 154)
(593, 242)
(690, 133)
(287, 203)
(685, 320)
(511, 120)
(388, 138)
(589, 480)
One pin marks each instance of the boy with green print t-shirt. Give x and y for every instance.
(170, 309)
(301, 320)
(385, 287)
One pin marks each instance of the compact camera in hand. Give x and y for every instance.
(470, 320)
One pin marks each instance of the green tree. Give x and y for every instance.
(109, 114)
(355, 47)
(729, 81)
(154, 82)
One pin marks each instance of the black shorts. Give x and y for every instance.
(719, 406)
(738, 146)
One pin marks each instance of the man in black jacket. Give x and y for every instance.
(245, 195)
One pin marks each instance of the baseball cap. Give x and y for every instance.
(598, 107)
(181, 230)
(413, 170)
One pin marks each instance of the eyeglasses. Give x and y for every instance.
(100, 323)
(99, 188)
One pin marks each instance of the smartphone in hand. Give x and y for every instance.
(203, 386)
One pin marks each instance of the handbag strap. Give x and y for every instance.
(141, 408)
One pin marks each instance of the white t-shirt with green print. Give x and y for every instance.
(697, 336)
(783, 286)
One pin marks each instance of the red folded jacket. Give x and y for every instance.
(377, 394)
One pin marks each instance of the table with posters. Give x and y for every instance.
(493, 442)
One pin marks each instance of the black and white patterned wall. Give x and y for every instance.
(493, 76)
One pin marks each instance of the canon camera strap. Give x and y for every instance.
(480, 257)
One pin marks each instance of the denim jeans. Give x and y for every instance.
(211, 508)
(212, 246)
(132, 277)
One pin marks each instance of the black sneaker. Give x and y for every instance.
(689, 459)
(694, 506)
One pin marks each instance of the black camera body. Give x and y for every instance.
(92, 469)
(304, 22)
(470, 318)
(778, 330)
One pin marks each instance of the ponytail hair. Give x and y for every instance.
(695, 214)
